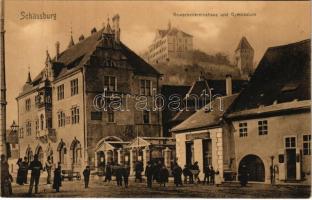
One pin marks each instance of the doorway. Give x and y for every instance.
(290, 145)
(189, 151)
(254, 166)
(207, 153)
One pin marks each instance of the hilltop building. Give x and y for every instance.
(169, 43)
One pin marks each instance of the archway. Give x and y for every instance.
(75, 148)
(254, 166)
(61, 148)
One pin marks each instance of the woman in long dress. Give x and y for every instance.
(20, 175)
(218, 180)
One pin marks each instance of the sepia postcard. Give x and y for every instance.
(155, 99)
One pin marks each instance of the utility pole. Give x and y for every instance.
(3, 102)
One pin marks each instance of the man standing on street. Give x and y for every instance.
(86, 175)
(149, 174)
(35, 167)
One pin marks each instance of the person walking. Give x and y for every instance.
(6, 178)
(118, 174)
(86, 176)
(177, 173)
(243, 176)
(108, 173)
(138, 171)
(125, 175)
(212, 175)
(48, 167)
(196, 171)
(163, 175)
(19, 178)
(35, 166)
(57, 181)
(149, 174)
(186, 173)
(207, 175)
(25, 166)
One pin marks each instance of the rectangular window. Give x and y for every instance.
(75, 115)
(307, 145)
(263, 127)
(243, 130)
(96, 115)
(60, 92)
(145, 87)
(110, 83)
(61, 119)
(27, 104)
(290, 142)
(74, 87)
(111, 116)
(146, 117)
(28, 128)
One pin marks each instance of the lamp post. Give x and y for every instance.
(14, 130)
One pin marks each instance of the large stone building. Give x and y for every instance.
(272, 117)
(169, 43)
(57, 115)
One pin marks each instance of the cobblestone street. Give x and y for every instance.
(227, 190)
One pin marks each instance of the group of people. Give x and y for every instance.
(121, 173)
(191, 175)
(158, 172)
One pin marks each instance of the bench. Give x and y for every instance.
(70, 175)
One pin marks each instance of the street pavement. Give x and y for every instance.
(227, 190)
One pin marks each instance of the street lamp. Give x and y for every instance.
(14, 129)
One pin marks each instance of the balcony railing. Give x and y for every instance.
(46, 134)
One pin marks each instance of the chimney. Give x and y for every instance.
(116, 27)
(93, 30)
(228, 84)
(57, 47)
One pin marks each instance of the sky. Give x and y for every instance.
(26, 41)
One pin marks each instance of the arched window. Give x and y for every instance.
(29, 154)
(75, 148)
(41, 121)
(39, 152)
(61, 148)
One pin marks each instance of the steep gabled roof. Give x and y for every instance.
(172, 31)
(283, 75)
(243, 44)
(207, 118)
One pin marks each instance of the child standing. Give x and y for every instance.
(86, 175)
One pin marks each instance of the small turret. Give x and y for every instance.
(71, 41)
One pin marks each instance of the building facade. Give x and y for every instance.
(272, 117)
(206, 138)
(168, 44)
(68, 108)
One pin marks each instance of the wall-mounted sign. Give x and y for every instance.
(194, 136)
